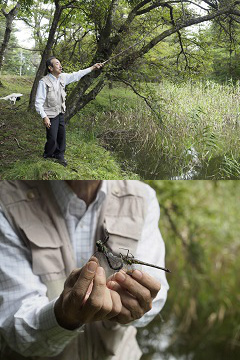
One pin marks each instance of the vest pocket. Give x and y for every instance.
(123, 232)
(124, 226)
(46, 250)
(51, 97)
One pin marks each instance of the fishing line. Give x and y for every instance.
(130, 47)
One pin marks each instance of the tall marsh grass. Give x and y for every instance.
(196, 117)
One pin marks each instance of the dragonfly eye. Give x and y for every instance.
(99, 244)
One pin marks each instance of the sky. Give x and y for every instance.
(24, 34)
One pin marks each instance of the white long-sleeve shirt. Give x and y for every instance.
(27, 320)
(67, 79)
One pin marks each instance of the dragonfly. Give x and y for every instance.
(117, 261)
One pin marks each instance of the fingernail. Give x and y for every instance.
(120, 276)
(93, 258)
(92, 266)
(111, 285)
(100, 271)
(137, 274)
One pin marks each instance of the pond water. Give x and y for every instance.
(198, 170)
(159, 343)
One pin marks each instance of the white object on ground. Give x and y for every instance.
(12, 97)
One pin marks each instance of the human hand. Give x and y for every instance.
(86, 298)
(97, 66)
(47, 122)
(136, 292)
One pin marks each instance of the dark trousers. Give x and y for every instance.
(56, 138)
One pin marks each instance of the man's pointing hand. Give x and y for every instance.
(97, 66)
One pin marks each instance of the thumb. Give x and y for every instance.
(84, 280)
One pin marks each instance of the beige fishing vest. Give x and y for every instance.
(31, 208)
(55, 100)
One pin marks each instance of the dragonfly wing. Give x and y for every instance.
(115, 262)
(130, 268)
(104, 262)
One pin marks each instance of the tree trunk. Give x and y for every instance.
(9, 24)
(45, 55)
(78, 99)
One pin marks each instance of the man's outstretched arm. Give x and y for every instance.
(76, 76)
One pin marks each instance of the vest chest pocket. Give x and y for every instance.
(124, 232)
(45, 246)
(51, 96)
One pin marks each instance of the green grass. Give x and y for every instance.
(22, 138)
(206, 116)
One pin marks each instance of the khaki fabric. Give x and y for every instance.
(55, 101)
(31, 208)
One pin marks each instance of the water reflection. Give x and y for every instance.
(194, 166)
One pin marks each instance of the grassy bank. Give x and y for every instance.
(22, 139)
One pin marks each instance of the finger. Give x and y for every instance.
(96, 299)
(89, 290)
(129, 302)
(83, 281)
(71, 279)
(147, 281)
(116, 304)
(106, 306)
(140, 292)
(124, 317)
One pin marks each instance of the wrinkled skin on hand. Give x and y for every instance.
(89, 297)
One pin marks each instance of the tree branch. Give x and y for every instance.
(80, 102)
(178, 26)
(209, 3)
(179, 37)
(131, 16)
(75, 44)
(173, 226)
(103, 43)
(140, 95)
(20, 47)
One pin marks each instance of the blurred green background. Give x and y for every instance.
(201, 318)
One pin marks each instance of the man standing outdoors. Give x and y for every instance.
(50, 104)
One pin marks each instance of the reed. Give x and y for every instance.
(198, 130)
